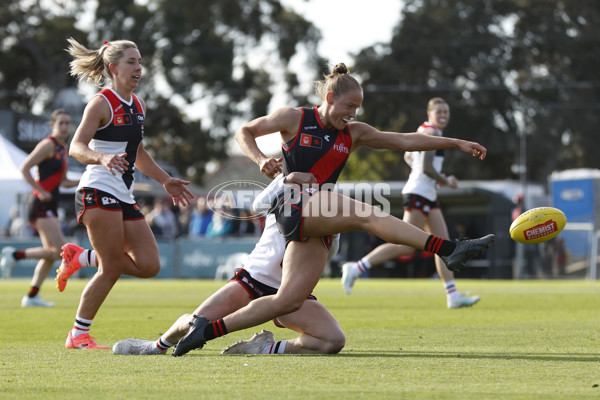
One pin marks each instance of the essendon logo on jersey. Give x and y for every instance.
(122, 119)
(310, 141)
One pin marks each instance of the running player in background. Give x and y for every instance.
(421, 208)
(50, 157)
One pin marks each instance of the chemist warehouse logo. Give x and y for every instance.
(233, 199)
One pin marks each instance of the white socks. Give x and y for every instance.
(87, 258)
(451, 291)
(81, 326)
(275, 348)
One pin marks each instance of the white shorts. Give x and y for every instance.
(264, 263)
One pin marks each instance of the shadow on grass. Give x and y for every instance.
(580, 357)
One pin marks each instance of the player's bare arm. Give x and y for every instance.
(364, 134)
(285, 120)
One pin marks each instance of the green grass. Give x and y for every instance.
(524, 340)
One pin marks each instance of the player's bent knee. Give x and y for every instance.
(334, 344)
(286, 306)
(183, 322)
(149, 271)
(55, 256)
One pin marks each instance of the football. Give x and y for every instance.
(537, 225)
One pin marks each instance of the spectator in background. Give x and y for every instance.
(162, 216)
(147, 211)
(201, 218)
(220, 225)
(246, 224)
(17, 226)
(519, 207)
(183, 219)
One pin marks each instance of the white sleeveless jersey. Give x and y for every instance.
(122, 134)
(418, 182)
(264, 263)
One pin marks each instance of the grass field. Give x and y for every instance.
(524, 340)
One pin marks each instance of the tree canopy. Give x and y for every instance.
(509, 69)
(193, 52)
(506, 67)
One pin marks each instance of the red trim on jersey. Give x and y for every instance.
(318, 117)
(429, 125)
(116, 105)
(333, 159)
(297, 133)
(293, 205)
(138, 103)
(114, 101)
(51, 182)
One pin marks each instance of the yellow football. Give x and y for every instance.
(538, 225)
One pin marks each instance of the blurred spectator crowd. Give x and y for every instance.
(200, 220)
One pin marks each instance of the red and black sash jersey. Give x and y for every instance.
(317, 149)
(127, 126)
(50, 171)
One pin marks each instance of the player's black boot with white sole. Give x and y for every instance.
(194, 338)
(465, 250)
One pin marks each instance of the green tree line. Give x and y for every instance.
(510, 69)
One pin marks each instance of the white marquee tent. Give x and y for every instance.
(13, 187)
(11, 159)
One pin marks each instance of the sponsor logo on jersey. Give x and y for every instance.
(311, 141)
(140, 117)
(108, 200)
(341, 148)
(326, 137)
(310, 127)
(122, 119)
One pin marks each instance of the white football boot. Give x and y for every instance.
(349, 275)
(136, 347)
(462, 301)
(252, 346)
(35, 301)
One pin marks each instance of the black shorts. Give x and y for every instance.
(41, 209)
(288, 214)
(86, 198)
(415, 202)
(254, 288)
